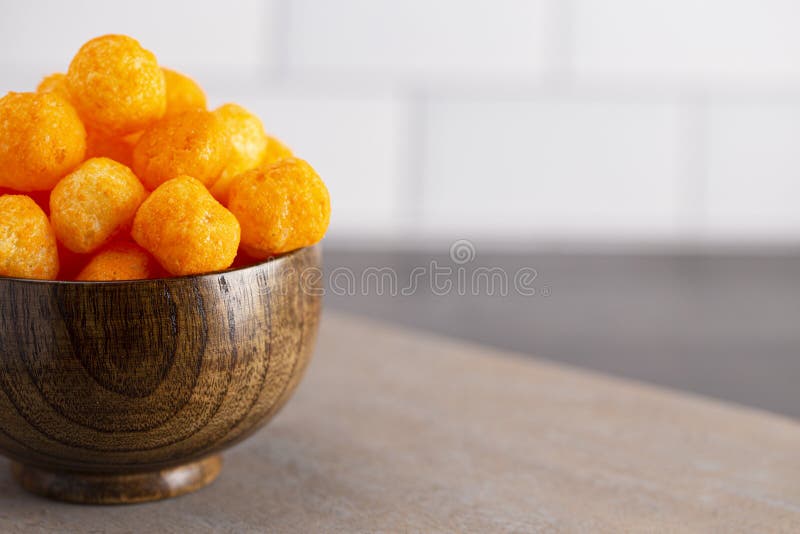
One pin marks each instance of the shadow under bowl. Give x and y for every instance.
(122, 392)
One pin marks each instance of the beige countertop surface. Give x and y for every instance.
(397, 431)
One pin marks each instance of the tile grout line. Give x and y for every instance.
(412, 153)
(280, 29)
(559, 45)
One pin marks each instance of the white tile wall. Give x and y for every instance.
(553, 167)
(189, 34)
(714, 42)
(414, 39)
(754, 171)
(574, 120)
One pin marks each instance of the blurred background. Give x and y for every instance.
(642, 156)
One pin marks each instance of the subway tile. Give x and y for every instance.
(419, 38)
(715, 42)
(753, 187)
(184, 34)
(553, 168)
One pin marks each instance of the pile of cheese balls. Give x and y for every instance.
(116, 170)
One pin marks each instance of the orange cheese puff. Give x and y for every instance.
(102, 145)
(41, 140)
(133, 138)
(248, 139)
(251, 147)
(98, 144)
(55, 83)
(27, 242)
(42, 198)
(243, 259)
(248, 146)
(116, 85)
(94, 203)
(281, 208)
(194, 143)
(187, 231)
(276, 151)
(121, 260)
(183, 93)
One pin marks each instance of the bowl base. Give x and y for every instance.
(95, 488)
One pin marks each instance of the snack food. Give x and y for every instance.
(194, 143)
(183, 93)
(249, 144)
(27, 242)
(54, 83)
(116, 85)
(79, 156)
(276, 151)
(42, 140)
(121, 260)
(186, 229)
(94, 203)
(102, 145)
(282, 207)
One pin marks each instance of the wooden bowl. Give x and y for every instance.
(122, 392)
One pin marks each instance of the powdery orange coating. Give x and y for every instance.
(194, 143)
(27, 242)
(55, 83)
(94, 203)
(186, 229)
(42, 198)
(183, 93)
(276, 151)
(116, 85)
(41, 140)
(121, 260)
(98, 143)
(281, 208)
(103, 145)
(249, 145)
(133, 138)
(248, 138)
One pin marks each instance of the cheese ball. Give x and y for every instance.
(27, 242)
(55, 83)
(94, 203)
(42, 198)
(250, 146)
(116, 85)
(183, 93)
(121, 260)
(102, 145)
(248, 138)
(276, 151)
(194, 143)
(281, 208)
(186, 229)
(41, 140)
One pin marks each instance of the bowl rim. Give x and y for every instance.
(280, 258)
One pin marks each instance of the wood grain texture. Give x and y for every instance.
(132, 377)
(127, 488)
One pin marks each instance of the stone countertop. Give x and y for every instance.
(394, 430)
